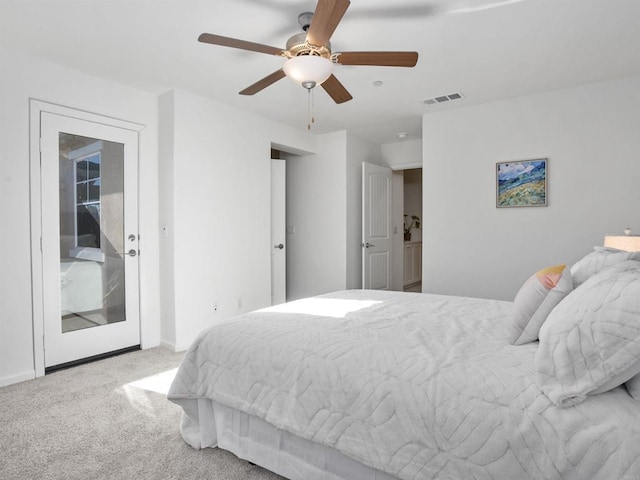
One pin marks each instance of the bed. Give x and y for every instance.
(382, 385)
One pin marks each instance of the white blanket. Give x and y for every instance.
(419, 386)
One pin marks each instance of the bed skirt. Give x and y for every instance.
(251, 438)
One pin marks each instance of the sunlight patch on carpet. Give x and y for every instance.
(158, 383)
(139, 392)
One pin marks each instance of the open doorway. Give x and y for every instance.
(407, 230)
(412, 230)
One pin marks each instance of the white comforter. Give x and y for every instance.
(419, 386)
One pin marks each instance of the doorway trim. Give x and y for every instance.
(36, 107)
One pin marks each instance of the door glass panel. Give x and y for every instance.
(92, 289)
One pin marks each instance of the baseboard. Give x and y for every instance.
(172, 346)
(21, 377)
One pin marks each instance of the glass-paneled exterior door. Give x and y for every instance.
(89, 238)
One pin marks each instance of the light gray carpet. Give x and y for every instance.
(106, 420)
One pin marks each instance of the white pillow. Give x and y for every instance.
(633, 387)
(535, 300)
(590, 343)
(594, 262)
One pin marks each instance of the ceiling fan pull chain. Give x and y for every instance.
(309, 108)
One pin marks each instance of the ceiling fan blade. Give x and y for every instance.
(383, 59)
(241, 44)
(336, 90)
(264, 83)
(325, 20)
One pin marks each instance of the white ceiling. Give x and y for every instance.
(485, 49)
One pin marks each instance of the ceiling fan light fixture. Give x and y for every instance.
(305, 69)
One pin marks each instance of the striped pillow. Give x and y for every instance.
(535, 300)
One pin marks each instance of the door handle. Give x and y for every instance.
(131, 253)
(367, 245)
(279, 246)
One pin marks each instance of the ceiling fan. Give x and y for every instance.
(309, 57)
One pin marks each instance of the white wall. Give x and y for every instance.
(166, 213)
(316, 207)
(403, 154)
(590, 135)
(216, 204)
(324, 204)
(22, 78)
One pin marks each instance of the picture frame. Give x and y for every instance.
(522, 183)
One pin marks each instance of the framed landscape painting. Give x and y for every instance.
(522, 183)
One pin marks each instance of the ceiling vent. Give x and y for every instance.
(442, 98)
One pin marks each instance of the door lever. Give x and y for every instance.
(279, 246)
(131, 253)
(367, 245)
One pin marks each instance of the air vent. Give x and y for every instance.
(442, 98)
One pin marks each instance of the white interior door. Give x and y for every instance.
(376, 227)
(89, 178)
(278, 232)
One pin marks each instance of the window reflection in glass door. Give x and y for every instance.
(91, 232)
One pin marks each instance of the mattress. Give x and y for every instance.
(417, 386)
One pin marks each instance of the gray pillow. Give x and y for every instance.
(594, 262)
(590, 343)
(535, 300)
